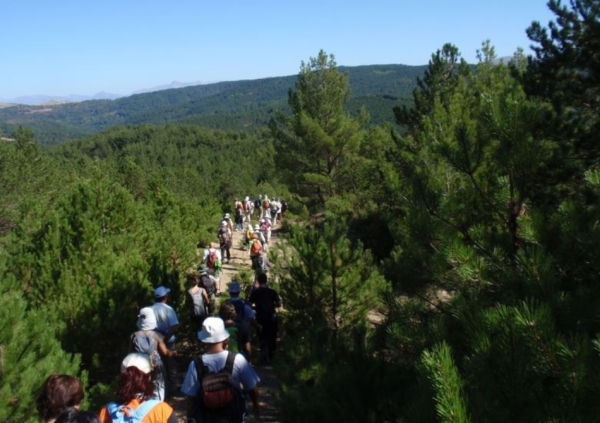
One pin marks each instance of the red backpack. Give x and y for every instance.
(211, 260)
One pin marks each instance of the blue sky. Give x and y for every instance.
(63, 47)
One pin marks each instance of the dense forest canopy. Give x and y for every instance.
(449, 272)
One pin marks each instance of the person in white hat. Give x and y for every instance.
(216, 357)
(225, 236)
(134, 394)
(147, 340)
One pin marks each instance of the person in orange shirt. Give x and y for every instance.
(134, 395)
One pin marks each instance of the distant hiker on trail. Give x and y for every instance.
(239, 333)
(147, 340)
(265, 228)
(212, 260)
(248, 237)
(224, 234)
(275, 210)
(239, 217)
(167, 324)
(266, 301)
(227, 219)
(226, 403)
(134, 395)
(211, 285)
(248, 207)
(59, 393)
(258, 206)
(255, 245)
(198, 301)
(260, 264)
(266, 206)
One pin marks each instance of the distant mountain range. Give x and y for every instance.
(243, 104)
(42, 99)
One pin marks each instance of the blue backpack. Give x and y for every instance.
(133, 416)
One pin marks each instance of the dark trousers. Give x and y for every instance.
(171, 372)
(267, 338)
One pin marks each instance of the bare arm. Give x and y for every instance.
(163, 350)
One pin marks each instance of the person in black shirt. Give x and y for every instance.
(266, 301)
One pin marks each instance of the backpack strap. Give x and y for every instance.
(200, 369)
(145, 408)
(229, 362)
(112, 408)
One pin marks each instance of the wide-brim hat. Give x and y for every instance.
(203, 269)
(213, 331)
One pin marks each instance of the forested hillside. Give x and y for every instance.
(441, 266)
(223, 105)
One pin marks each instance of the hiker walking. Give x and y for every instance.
(248, 207)
(147, 340)
(260, 264)
(266, 301)
(275, 210)
(256, 244)
(211, 285)
(167, 324)
(224, 234)
(212, 260)
(226, 403)
(266, 207)
(198, 301)
(258, 206)
(227, 220)
(239, 216)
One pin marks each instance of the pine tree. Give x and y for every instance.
(29, 352)
(315, 146)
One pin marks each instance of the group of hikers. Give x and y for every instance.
(219, 380)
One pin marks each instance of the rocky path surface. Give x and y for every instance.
(269, 385)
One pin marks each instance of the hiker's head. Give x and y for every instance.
(135, 378)
(234, 289)
(262, 279)
(227, 311)
(195, 279)
(146, 319)
(213, 331)
(160, 294)
(203, 269)
(59, 393)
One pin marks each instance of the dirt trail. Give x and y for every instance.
(269, 384)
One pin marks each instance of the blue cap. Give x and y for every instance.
(161, 291)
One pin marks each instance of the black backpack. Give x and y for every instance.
(220, 400)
